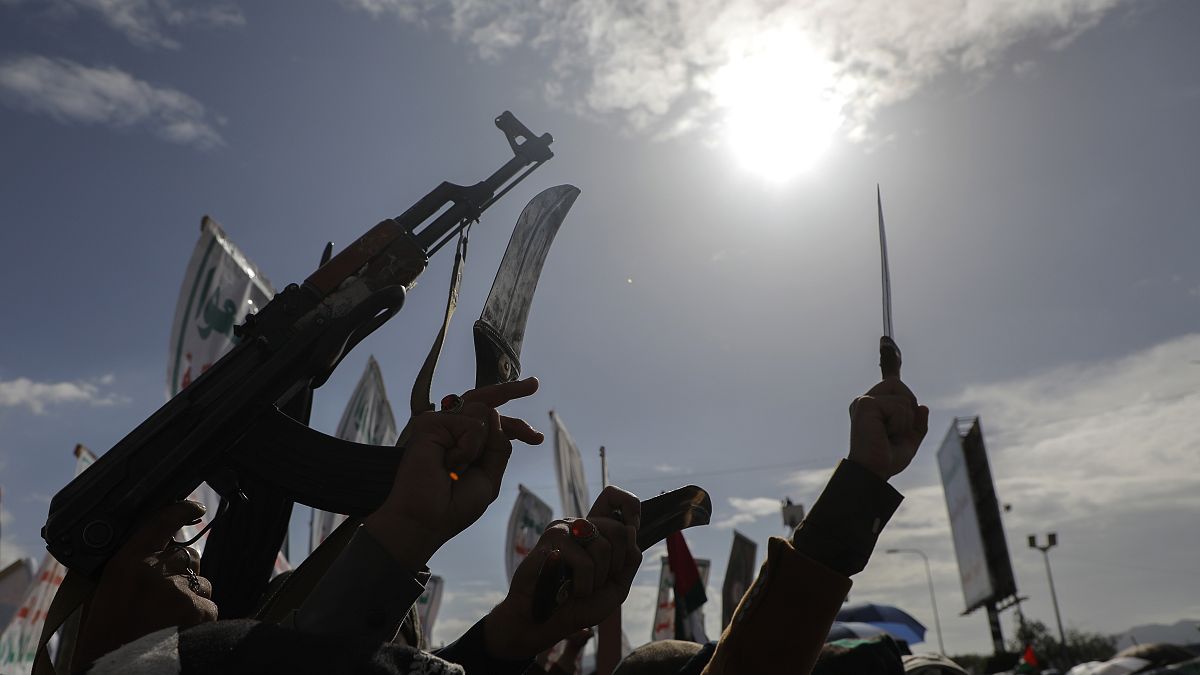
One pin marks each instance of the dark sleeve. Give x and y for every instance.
(364, 594)
(470, 652)
(841, 529)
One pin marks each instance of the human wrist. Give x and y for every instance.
(503, 637)
(879, 467)
(409, 544)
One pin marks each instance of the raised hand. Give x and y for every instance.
(886, 428)
(451, 471)
(602, 569)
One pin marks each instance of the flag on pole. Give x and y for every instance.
(529, 519)
(739, 574)
(663, 627)
(221, 286)
(689, 590)
(367, 419)
(427, 608)
(568, 465)
(19, 641)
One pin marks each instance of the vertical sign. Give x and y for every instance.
(739, 574)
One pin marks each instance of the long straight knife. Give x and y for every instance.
(889, 351)
(500, 330)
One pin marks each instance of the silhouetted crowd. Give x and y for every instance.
(151, 610)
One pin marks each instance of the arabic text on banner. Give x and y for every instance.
(367, 419)
(529, 519)
(568, 465)
(739, 574)
(221, 286)
(19, 641)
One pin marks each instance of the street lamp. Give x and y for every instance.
(1051, 542)
(932, 599)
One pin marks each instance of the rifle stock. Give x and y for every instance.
(227, 427)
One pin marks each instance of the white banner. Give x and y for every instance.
(221, 286)
(367, 419)
(529, 519)
(18, 643)
(568, 465)
(427, 608)
(664, 611)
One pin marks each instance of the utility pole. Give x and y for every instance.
(932, 598)
(1051, 542)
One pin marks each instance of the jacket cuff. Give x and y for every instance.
(364, 593)
(842, 528)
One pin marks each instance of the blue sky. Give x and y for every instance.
(711, 304)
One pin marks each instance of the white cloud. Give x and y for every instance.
(748, 511)
(1072, 440)
(660, 65)
(1104, 453)
(74, 93)
(146, 22)
(37, 396)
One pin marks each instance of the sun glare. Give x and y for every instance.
(781, 109)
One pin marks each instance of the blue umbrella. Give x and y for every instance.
(897, 622)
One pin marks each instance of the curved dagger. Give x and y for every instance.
(500, 330)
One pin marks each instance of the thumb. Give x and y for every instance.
(154, 533)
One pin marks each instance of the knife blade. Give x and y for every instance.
(889, 351)
(500, 330)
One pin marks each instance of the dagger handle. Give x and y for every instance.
(889, 358)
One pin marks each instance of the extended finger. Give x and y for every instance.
(496, 395)
(601, 552)
(155, 532)
(517, 429)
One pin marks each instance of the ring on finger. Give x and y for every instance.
(583, 530)
(193, 581)
(452, 403)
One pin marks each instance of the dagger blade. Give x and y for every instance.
(500, 330)
(889, 351)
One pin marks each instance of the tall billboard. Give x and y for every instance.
(984, 567)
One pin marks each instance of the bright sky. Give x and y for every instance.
(712, 303)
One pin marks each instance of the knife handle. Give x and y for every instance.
(889, 358)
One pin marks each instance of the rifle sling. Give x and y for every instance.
(74, 590)
(419, 400)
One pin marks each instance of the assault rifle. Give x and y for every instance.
(232, 428)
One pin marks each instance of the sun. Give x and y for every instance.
(781, 108)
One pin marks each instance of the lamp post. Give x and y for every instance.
(932, 598)
(1051, 542)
